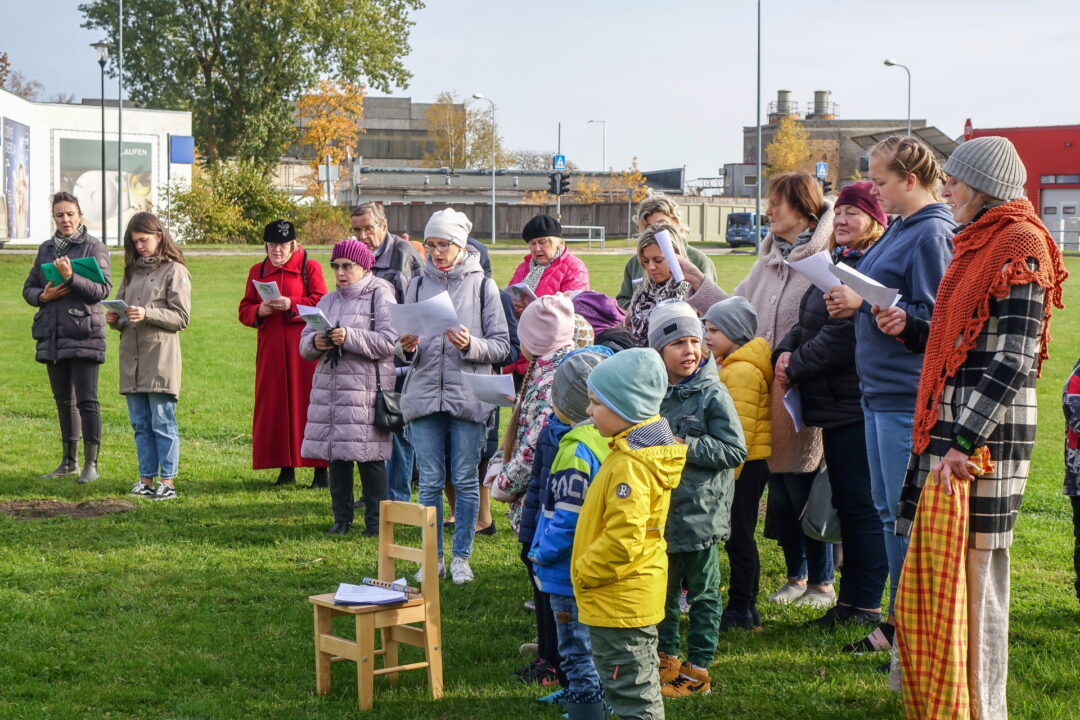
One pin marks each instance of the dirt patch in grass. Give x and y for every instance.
(34, 509)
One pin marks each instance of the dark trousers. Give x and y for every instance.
(866, 566)
(741, 547)
(373, 481)
(75, 390)
(805, 558)
(1076, 533)
(547, 632)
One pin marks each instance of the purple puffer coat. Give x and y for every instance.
(342, 408)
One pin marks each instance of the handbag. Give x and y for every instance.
(388, 414)
(819, 518)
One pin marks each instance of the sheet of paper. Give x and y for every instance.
(367, 595)
(818, 269)
(493, 389)
(871, 290)
(426, 318)
(637, 281)
(117, 306)
(521, 291)
(267, 290)
(314, 317)
(663, 239)
(793, 404)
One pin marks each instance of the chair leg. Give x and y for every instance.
(390, 652)
(324, 625)
(365, 665)
(433, 654)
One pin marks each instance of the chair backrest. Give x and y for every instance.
(393, 513)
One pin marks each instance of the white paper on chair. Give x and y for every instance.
(493, 389)
(427, 318)
(818, 269)
(314, 317)
(521, 292)
(793, 404)
(870, 289)
(267, 290)
(368, 595)
(663, 239)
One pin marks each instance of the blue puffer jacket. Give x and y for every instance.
(546, 448)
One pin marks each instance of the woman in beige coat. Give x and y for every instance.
(157, 291)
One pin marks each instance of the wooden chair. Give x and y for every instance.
(394, 622)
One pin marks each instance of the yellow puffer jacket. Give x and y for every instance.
(747, 373)
(619, 564)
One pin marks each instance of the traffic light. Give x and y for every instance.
(564, 184)
(826, 187)
(553, 183)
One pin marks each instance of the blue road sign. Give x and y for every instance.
(558, 162)
(822, 169)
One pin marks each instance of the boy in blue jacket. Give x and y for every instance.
(581, 451)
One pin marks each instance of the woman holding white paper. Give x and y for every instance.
(282, 376)
(355, 359)
(659, 282)
(70, 333)
(441, 412)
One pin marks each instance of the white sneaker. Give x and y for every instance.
(419, 576)
(460, 572)
(789, 593)
(817, 598)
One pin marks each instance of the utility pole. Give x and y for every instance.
(757, 203)
(558, 197)
(120, 124)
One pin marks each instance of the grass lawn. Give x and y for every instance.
(197, 608)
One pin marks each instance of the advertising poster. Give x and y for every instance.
(80, 175)
(17, 178)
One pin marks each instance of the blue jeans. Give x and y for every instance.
(429, 436)
(157, 439)
(888, 448)
(399, 469)
(807, 559)
(576, 651)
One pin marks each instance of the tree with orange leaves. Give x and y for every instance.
(330, 118)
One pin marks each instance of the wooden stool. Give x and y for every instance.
(394, 622)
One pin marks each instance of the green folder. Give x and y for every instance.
(86, 266)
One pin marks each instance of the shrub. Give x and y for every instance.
(321, 223)
(228, 202)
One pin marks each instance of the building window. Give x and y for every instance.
(749, 180)
(864, 161)
(1049, 210)
(1059, 179)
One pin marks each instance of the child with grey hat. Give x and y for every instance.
(701, 413)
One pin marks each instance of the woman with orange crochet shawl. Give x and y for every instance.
(975, 423)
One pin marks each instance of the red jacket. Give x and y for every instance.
(566, 273)
(282, 377)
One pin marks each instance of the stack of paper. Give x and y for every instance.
(368, 595)
(494, 389)
(521, 292)
(427, 318)
(663, 239)
(86, 266)
(267, 290)
(314, 317)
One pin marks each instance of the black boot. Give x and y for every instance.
(69, 465)
(339, 528)
(321, 479)
(89, 471)
(286, 476)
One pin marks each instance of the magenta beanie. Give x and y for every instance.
(858, 195)
(547, 324)
(356, 251)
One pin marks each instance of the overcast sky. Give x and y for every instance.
(675, 80)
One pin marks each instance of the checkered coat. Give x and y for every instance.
(990, 401)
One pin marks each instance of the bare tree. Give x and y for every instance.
(63, 97)
(16, 83)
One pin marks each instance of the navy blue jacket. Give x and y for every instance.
(547, 446)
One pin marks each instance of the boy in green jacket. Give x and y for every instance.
(701, 414)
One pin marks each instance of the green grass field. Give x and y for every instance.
(197, 608)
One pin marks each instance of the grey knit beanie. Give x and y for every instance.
(569, 390)
(989, 164)
(735, 317)
(670, 321)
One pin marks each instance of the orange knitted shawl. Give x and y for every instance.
(989, 256)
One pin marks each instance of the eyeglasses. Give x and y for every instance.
(540, 242)
(366, 230)
(346, 266)
(439, 246)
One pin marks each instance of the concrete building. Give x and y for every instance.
(49, 147)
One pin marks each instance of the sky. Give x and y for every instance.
(676, 80)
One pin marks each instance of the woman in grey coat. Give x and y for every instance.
(441, 411)
(354, 357)
(70, 332)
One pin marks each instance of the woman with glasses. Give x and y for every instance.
(441, 411)
(354, 359)
(282, 377)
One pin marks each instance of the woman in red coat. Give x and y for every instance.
(282, 377)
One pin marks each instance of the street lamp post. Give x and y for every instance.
(892, 63)
(102, 48)
(478, 96)
(120, 123)
(604, 124)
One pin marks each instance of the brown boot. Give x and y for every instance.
(669, 667)
(691, 681)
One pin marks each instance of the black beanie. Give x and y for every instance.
(541, 226)
(279, 231)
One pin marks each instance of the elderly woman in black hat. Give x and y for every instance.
(282, 377)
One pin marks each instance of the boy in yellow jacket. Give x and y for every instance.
(619, 562)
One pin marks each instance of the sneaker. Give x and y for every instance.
(538, 672)
(789, 593)
(843, 614)
(530, 606)
(880, 640)
(164, 492)
(142, 489)
(557, 698)
(692, 680)
(419, 576)
(529, 648)
(817, 598)
(460, 572)
(669, 667)
(684, 605)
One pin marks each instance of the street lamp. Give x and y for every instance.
(478, 96)
(102, 48)
(604, 124)
(892, 63)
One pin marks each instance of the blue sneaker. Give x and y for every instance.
(556, 698)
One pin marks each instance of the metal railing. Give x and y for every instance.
(593, 233)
